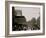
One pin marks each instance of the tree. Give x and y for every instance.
(32, 23)
(38, 22)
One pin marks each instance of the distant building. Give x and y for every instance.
(18, 12)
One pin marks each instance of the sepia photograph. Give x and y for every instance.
(25, 18)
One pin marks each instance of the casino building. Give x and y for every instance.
(18, 21)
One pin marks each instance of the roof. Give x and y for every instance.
(20, 19)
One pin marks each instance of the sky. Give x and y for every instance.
(29, 12)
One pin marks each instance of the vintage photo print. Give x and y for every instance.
(25, 19)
